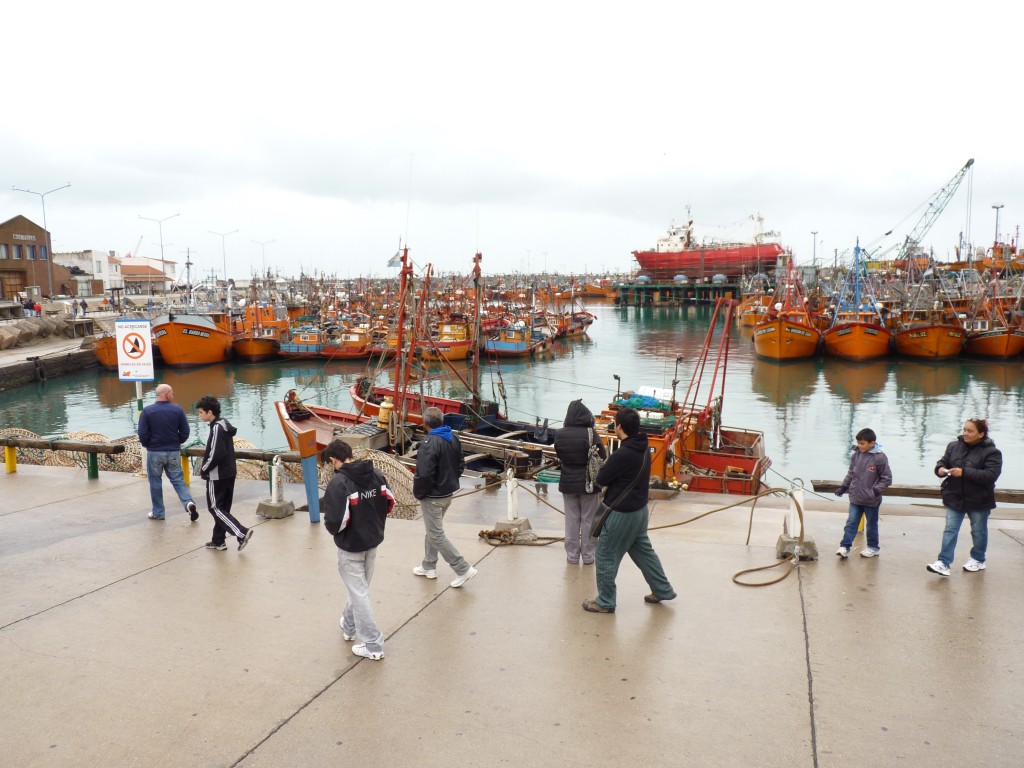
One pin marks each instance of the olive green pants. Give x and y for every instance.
(625, 533)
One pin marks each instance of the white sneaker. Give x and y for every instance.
(843, 552)
(973, 565)
(360, 650)
(869, 552)
(421, 571)
(460, 580)
(939, 567)
(344, 634)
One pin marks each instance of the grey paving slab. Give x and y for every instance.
(125, 642)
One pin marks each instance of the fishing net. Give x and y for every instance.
(26, 455)
(399, 480)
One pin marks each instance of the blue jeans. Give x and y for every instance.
(158, 462)
(979, 533)
(870, 526)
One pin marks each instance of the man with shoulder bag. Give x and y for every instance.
(626, 477)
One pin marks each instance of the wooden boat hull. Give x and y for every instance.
(447, 350)
(785, 340)
(187, 341)
(998, 343)
(857, 341)
(932, 341)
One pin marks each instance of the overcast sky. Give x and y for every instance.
(557, 135)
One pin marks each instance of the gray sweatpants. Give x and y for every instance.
(356, 569)
(436, 542)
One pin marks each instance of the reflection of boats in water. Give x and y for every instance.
(257, 374)
(190, 385)
(786, 381)
(1003, 375)
(111, 392)
(856, 382)
(928, 379)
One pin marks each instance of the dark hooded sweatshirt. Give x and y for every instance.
(439, 464)
(356, 506)
(621, 469)
(572, 446)
(219, 459)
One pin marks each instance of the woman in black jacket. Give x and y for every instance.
(969, 468)
(572, 445)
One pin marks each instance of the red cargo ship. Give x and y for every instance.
(678, 253)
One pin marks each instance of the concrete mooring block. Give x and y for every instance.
(275, 509)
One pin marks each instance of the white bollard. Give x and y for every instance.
(276, 481)
(796, 496)
(512, 491)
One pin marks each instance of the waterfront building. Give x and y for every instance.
(25, 261)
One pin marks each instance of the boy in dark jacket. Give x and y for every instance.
(218, 470)
(356, 507)
(866, 481)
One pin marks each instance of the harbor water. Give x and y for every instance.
(808, 410)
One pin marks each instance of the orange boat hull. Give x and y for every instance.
(999, 343)
(186, 343)
(256, 349)
(105, 349)
(857, 341)
(449, 350)
(785, 340)
(936, 341)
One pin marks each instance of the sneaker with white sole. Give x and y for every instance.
(939, 567)
(361, 650)
(344, 634)
(193, 511)
(870, 552)
(843, 552)
(460, 580)
(421, 571)
(219, 547)
(973, 565)
(244, 539)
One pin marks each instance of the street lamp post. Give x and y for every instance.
(46, 232)
(263, 245)
(160, 225)
(814, 251)
(223, 251)
(997, 206)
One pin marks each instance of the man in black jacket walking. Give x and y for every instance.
(218, 469)
(626, 476)
(439, 465)
(356, 507)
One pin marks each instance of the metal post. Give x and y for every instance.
(46, 233)
(160, 225)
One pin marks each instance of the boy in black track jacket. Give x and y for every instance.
(218, 470)
(356, 506)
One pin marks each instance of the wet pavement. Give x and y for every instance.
(123, 641)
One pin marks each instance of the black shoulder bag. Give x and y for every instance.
(603, 510)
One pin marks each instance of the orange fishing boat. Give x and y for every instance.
(190, 340)
(453, 340)
(857, 331)
(354, 343)
(258, 334)
(931, 334)
(105, 349)
(789, 333)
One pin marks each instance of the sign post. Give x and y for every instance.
(135, 359)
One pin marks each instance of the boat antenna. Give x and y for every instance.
(675, 380)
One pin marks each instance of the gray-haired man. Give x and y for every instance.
(439, 465)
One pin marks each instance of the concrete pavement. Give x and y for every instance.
(124, 642)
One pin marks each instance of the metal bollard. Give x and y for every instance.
(512, 491)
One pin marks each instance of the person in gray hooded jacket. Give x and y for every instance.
(573, 443)
(866, 481)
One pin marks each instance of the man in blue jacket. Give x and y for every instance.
(439, 465)
(163, 428)
(626, 477)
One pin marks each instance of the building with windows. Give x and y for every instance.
(96, 272)
(144, 276)
(25, 261)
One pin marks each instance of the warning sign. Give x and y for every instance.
(134, 350)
